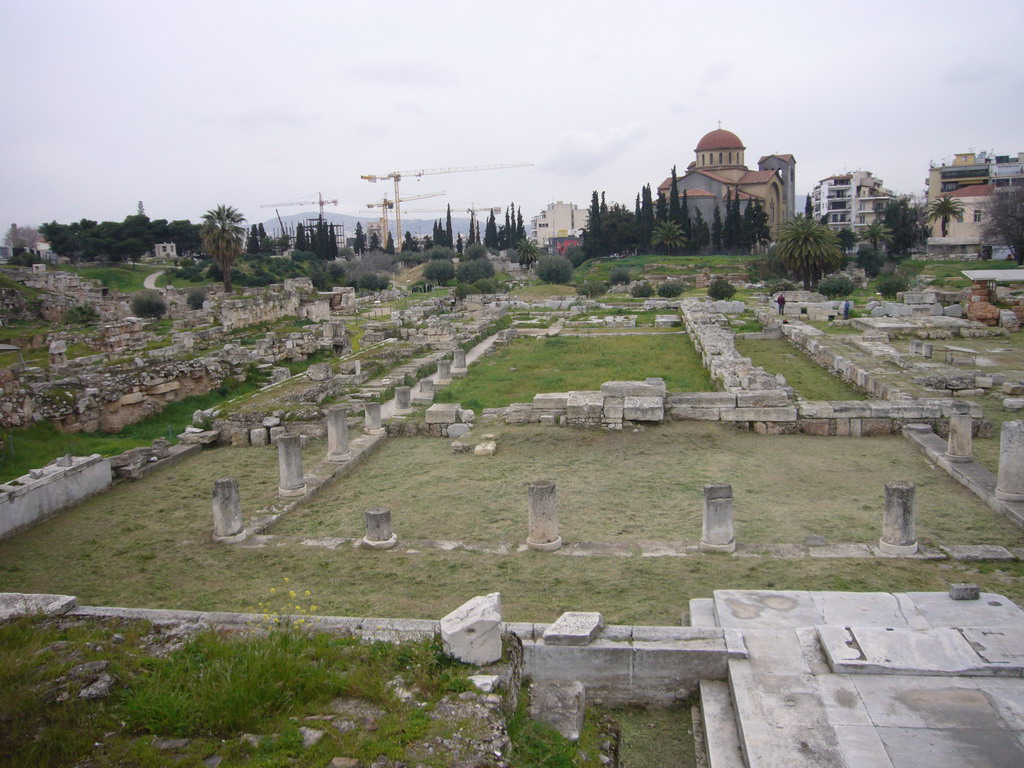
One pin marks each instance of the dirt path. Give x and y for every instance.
(150, 281)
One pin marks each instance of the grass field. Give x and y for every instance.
(600, 269)
(560, 364)
(808, 379)
(123, 278)
(148, 543)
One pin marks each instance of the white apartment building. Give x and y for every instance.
(850, 200)
(557, 220)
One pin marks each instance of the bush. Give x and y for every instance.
(641, 290)
(148, 304)
(476, 251)
(215, 273)
(473, 270)
(619, 276)
(81, 314)
(890, 285)
(836, 287)
(670, 289)
(720, 290)
(369, 281)
(462, 290)
(439, 271)
(195, 298)
(554, 269)
(576, 255)
(776, 286)
(305, 256)
(591, 288)
(487, 285)
(439, 252)
(870, 260)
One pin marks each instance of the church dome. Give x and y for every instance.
(719, 139)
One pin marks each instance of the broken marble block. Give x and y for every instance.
(472, 632)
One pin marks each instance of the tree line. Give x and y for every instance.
(120, 241)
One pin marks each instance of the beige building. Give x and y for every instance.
(558, 220)
(719, 169)
(970, 169)
(850, 200)
(963, 237)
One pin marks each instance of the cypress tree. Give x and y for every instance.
(716, 230)
(332, 242)
(360, 239)
(673, 200)
(374, 241)
(458, 244)
(808, 208)
(593, 242)
(448, 227)
(253, 243)
(301, 244)
(390, 247)
(491, 232)
(472, 228)
(748, 227)
(646, 217)
(520, 225)
(262, 233)
(408, 244)
(661, 209)
(701, 234)
(731, 226)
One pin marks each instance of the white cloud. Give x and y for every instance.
(578, 153)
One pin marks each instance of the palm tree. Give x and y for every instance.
(876, 232)
(943, 209)
(808, 249)
(222, 234)
(669, 234)
(528, 253)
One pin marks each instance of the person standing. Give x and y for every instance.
(781, 301)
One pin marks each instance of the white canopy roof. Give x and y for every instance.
(995, 275)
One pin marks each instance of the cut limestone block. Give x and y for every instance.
(472, 632)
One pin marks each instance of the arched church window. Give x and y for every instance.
(730, 157)
(719, 158)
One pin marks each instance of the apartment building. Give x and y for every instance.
(850, 200)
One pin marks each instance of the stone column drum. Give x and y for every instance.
(459, 359)
(403, 398)
(543, 535)
(289, 463)
(227, 508)
(1010, 482)
(899, 536)
(378, 529)
(444, 372)
(959, 448)
(718, 533)
(371, 419)
(337, 433)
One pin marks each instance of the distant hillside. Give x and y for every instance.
(418, 226)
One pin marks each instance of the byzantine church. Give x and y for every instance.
(718, 169)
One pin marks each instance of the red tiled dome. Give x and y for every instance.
(719, 139)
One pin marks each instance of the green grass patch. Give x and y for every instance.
(563, 363)
(127, 278)
(600, 269)
(211, 690)
(806, 377)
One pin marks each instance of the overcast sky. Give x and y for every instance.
(185, 105)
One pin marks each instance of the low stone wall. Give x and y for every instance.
(43, 492)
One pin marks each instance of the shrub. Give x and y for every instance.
(487, 285)
(368, 281)
(576, 255)
(836, 287)
(215, 273)
(439, 271)
(148, 304)
(591, 288)
(890, 285)
(870, 260)
(462, 290)
(439, 252)
(670, 289)
(476, 251)
(195, 298)
(473, 270)
(305, 256)
(641, 290)
(775, 286)
(721, 289)
(554, 269)
(81, 314)
(619, 276)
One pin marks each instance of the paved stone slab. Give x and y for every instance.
(996, 646)
(989, 611)
(935, 652)
(763, 609)
(868, 609)
(975, 552)
(665, 549)
(702, 612)
(561, 704)
(574, 628)
(840, 550)
(933, 747)
(15, 604)
(862, 746)
(721, 739)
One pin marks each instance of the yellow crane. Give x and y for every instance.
(396, 177)
(385, 205)
(320, 201)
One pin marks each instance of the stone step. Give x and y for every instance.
(702, 613)
(721, 739)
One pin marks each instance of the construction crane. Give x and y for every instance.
(396, 177)
(318, 202)
(385, 205)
